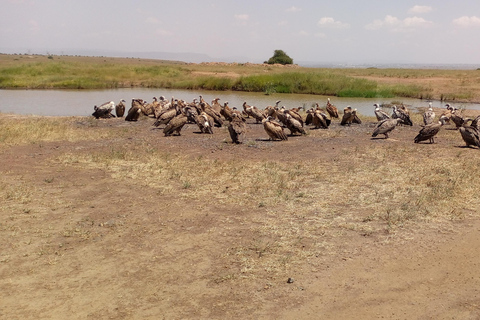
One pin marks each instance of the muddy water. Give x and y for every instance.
(81, 102)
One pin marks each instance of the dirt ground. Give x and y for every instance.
(90, 246)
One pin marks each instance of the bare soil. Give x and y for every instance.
(89, 246)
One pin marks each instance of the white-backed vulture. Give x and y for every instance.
(237, 128)
(274, 129)
(120, 108)
(294, 114)
(470, 135)
(133, 113)
(294, 125)
(348, 116)
(309, 116)
(380, 114)
(403, 114)
(166, 115)
(175, 125)
(226, 111)
(256, 114)
(429, 115)
(104, 111)
(216, 106)
(429, 131)
(205, 123)
(385, 126)
(457, 119)
(331, 109)
(320, 120)
(217, 118)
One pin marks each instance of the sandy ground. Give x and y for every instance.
(90, 246)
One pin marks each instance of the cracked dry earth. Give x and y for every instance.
(78, 242)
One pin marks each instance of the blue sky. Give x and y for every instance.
(343, 31)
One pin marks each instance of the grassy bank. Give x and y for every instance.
(67, 72)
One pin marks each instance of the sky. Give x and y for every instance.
(322, 31)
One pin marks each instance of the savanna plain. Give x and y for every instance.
(108, 219)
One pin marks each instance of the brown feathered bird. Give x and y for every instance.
(274, 129)
(470, 135)
(237, 128)
(385, 126)
(166, 115)
(133, 113)
(348, 116)
(120, 108)
(331, 109)
(104, 111)
(320, 120)
(226, 111)
(294, 125)
(205, 123)
(403, 114)
(380, 114)
(429, 131)
(175, 125)
(256, 114)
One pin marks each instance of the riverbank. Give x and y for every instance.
(68, 72)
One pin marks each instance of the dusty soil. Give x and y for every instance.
(92, 246)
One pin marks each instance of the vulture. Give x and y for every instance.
(175, 125)
(403, 114)
(385, 126)
(226, 112)
(216, 106)
(429, 131)
(294, 125)
(350, 116)
(166, 115)
(320, 120)
(237, 128)
(447, 114)
(104, 111)
(309, 117)
(120, 108)
(429, 115)
(294, 114)
(204, 122)
(475, 123)
(331, 109)
(457, 119)
(274, 129)
(133, 113)
(255, 113)
(380, 114)
(471, 135)
(217, 118)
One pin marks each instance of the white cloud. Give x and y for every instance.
(283, 23)
(331, 23)
(163, 32)
(293, 9)
(419, 9)
(303, 33)
(466, 22)
(394, 24)
(152, 20)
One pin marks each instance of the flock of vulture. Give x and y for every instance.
(174, 114)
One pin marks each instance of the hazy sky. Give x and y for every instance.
(348, 31)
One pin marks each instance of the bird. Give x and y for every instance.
(429, 115)
(255, 113)
(475, 123)
(470, 135)
(120, 109)
(226, 111)
(380, 114)
(429, 131)
(331, 109)
(385, 126)
(403, 114)
(309, 116)
(166, 115)
(320, 120)
(175, 125)
(216, 106)
(133, 114)
(350, 116)
(294, 125)
(217, 118)
(205, 123)
(237, 128)
(104, 111)
(274, 129)
(457, 119)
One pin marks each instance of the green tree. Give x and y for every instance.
(279, 56)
